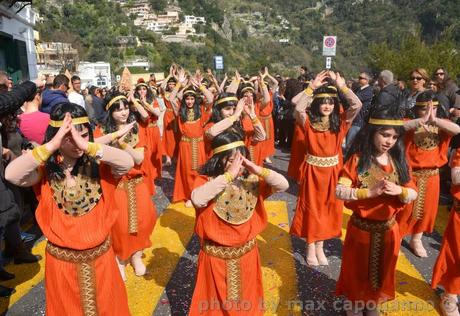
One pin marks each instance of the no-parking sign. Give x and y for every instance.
(329, 45)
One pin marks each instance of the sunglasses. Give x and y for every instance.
(416, 78)
(439, 74)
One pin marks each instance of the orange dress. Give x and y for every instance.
(171, 135)
(212, 278)
(137, 216)
(356, 271)
(297, 153)
(265, 115)
(446, 271)
(425, 159)
(154, 146)
(253, 146)
(72, 288)
(192, 156)
(318, 214)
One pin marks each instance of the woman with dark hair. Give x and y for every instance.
(375, 184)
(226, 116)
(318, 214)
(298, 146)
(75, 186)
(427, 143)
(192, 153)
(229, 199)
(445, 271)
(143, 95)
(134, 224)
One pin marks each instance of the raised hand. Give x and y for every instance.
(79, 141)
(377, 189)
(319, 80)
(237, 75)
(340, 81)
(250, 166)
(239, 107)
(181, 77)
(391, 188)
(236, 164)
(122, 132)
(55, 143)
(249, 107)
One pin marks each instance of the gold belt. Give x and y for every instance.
(322, 161)
(130, 187)
(153, 124)
(422, 179)
(377, 231)
(84, 260)
(232, 256)
(169, 110)
(194, 142)
(266, 120)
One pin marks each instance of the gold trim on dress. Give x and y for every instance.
(377, 231)
(130, 187)
(194, 144)
(266, 119)
(236, 203)
(232, 256)
(321, 126)
(322, 161)
(418, 212)
(375, 173)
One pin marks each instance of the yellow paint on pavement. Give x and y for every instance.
(278, 267)
(173, 231)
(27, 276)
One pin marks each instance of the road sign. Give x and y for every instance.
(328, 62)
(219, 62)
(329, 45)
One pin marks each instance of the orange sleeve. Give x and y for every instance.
(350, 171)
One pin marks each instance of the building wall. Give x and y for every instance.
(95, 74)
(17, 47)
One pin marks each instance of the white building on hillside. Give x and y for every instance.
(191, 19)
(95, 74)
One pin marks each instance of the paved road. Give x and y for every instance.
(291, 287)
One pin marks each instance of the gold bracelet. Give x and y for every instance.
(114, 135)
(404, 194)
(202, 87)
(232, 118)
(264, 173)
(93, 149)
(123, 145)
(362, 194)
(344, 89)
(308, 91)
(178, 85)
(255, 120)
(41, 154)
(228, 177)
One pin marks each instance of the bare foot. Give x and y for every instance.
(449, 305)
(168, 161)
(417, 248)
(267, 160)
(312, 260)
(322, 259)
(138, 265)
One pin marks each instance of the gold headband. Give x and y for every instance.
(142, 84)
(227, 99)
(434, 103)
(75, 121)
(325, 95)
(189, 92)
(117, 98)
(227, 147)
(374, 121)
(247, 88)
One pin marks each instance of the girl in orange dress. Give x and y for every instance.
(229, 201)
(74, 183)
(427, 143)
(226, 116)
(375, 184)
(446, 272)
(318, 215)
(171, 136)
(191, 146)
(265, 115)
(144, 95)
(135, 222)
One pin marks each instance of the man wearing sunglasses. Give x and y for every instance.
(446, 85)
(57, 94)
